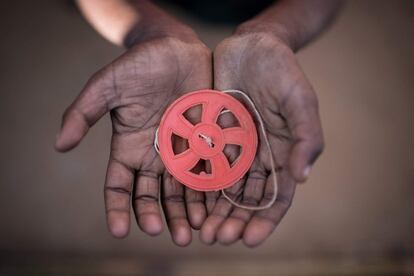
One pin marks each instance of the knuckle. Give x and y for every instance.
(250, 200)
(257, 175)
(116, 210)
(148, 174)
(220, 214)
(146, 198)
(176, 218)
(268, 196)
(143, 212)
(284, 201)
(174, 198)
(119, 190)
(242, 216)
(273, 221)
(194, 198)
(235, 195)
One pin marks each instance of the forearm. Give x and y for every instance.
(295, 22)
(125, 22)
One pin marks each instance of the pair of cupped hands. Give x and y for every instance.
(138, 86)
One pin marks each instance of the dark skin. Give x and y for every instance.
(259, 59)
(159, 67)
(136, 88)
(295, 137)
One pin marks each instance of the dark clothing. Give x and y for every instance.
(222, 11)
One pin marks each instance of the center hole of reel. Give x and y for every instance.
(206, 139)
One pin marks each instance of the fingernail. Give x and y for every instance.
(307, 171)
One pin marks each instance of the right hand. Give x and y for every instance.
(266, 69)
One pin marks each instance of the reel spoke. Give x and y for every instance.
(186, 160)
(181, 126)
(235, 135)
(219, 165)
(211, 111)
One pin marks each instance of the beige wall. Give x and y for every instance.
(360, 199)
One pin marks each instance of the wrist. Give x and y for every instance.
(141, 33)
(273, 29)
(152, 22)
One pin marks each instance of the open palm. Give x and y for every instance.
(265, 69)
(136, 88)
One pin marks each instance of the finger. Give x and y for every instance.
(194, 200)
(210, 197)
(232, 229)
(146, 203)
(221, 211)
(210, 200)
(175, 212)
(196, 210)
(117, 192)
(224, 120)
(85, 111)
(301, 112)
(264, 222)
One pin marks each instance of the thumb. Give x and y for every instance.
(302, 115)
(82, 114)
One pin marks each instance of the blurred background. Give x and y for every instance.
(355, 216)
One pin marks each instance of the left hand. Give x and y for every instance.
(264, 67)
(135, 89)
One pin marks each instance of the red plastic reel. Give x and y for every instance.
(206, 140)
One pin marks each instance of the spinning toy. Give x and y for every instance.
(206, 140)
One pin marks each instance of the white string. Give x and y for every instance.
(266, 140)
(156, 147)
(207, 139)
(272, 161)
